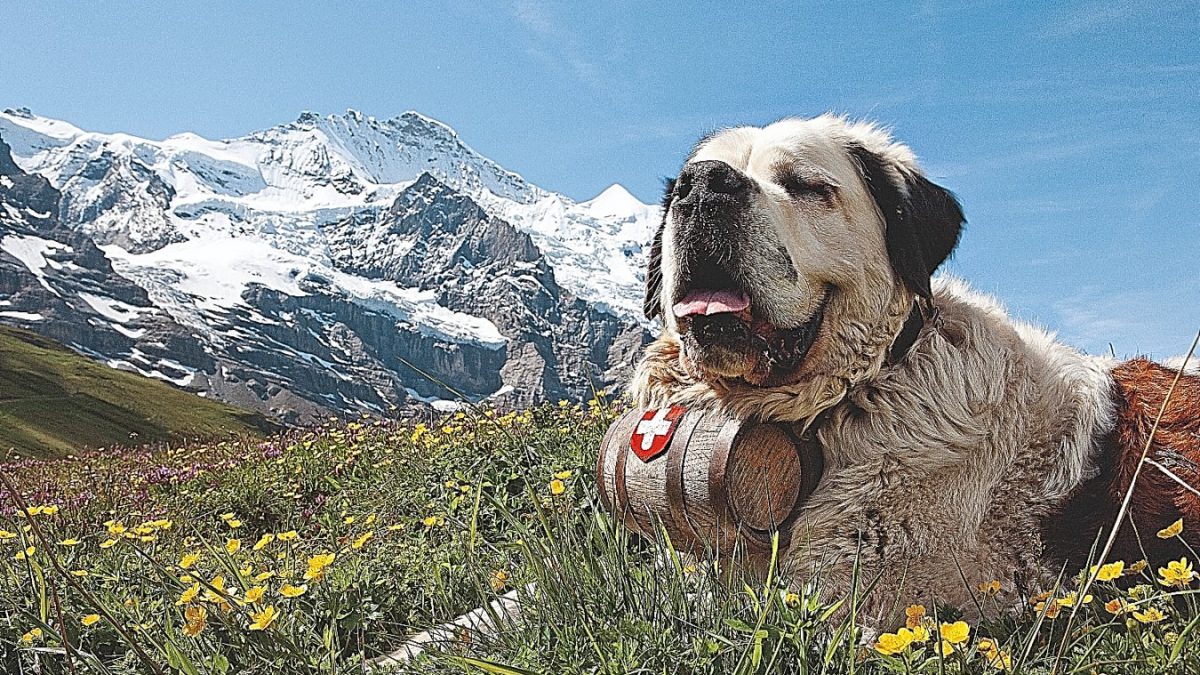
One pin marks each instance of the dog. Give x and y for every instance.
(793, 274)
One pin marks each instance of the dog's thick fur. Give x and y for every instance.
(942, 468)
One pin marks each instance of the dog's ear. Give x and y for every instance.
(652, 305)
(923, 220)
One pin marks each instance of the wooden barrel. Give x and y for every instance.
(712, 481)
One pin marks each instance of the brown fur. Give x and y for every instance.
(1140, 388)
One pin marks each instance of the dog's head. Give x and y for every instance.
(778, 242)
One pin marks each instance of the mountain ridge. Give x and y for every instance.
(334, 262)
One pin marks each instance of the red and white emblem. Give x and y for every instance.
(653, 433)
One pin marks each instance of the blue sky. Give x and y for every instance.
(1070, 131)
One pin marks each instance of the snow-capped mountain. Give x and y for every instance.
(338, 262)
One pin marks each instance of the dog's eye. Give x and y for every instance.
(806, 188)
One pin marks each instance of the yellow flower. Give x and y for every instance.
(1138, 566)
(1069, 599)
(195, 618)
(990, 588)
(33, 634)
(986, 646)
(920, 633)
(189, 560)
(79, 573)
(116, 529)
(228, 516)
(498, 580)
(945, 648)
(217, 592)
(264, 618)
(564, 475)
(1115, 606)
(233, 546)
(254, 594)
(395, 528)
(290, 591)
(189, 594)
(913, 615)
(90, 619)
(1002, 660)
(956, 633)
(27, 553)
(5, 534)
(1172, 530)
(557, 487)
(894, 643)
(108, 543)
(263, 541)
(1151, 615)
(263, 576)
(1177, 573)
(290, 535)
(348, 520)
(69, 542)
(246, 570)
(317, 565)
(233, 524)
(1108, 572)
(1051, 608)
(358, 543)
(429, 521)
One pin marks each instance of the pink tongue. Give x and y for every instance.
(711, 302)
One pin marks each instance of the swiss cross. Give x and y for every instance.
(653, 432)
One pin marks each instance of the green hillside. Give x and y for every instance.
(54, 401)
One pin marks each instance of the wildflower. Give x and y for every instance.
(79, 573)
(233, 524)
(1002, 660)
(1172, 530)
(429, 521)
(990, 588)
(217, 591)
(263, 576)
(1177, 573)
(27, 553)
(69, 542)
(253, 595)
(317, 565)
(358, 543)
(33, 634)
(348, 520)
(395, 528)
(1115, 606)
(1138, 566)
(290, 535)
(557, 487)
(564, 475)
(246, 570)
(498, 580)
(90, 620)
(986, 646)
(1050, 608)
(370, 519)
(5, 534)
(913, 614)
(1151, 615)
(1069, 599)
(920, 633)
(290, 591)
(195, 618)
(945, 648)
(233, 546)
(189, 594)
(108, 543)
(115, 529)
(1108, 572)
(189, 560)
(893, 643)
(226, 517)
(956, 633)
(264, 618)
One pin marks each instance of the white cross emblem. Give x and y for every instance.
(654, 427)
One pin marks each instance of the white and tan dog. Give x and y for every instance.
(792, 274)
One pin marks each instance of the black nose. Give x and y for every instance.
(710, 177)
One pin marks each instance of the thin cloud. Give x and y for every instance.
(561, 45)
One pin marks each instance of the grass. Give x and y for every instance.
(392, 528)
(54, 401)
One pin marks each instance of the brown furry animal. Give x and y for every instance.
(792, 273)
